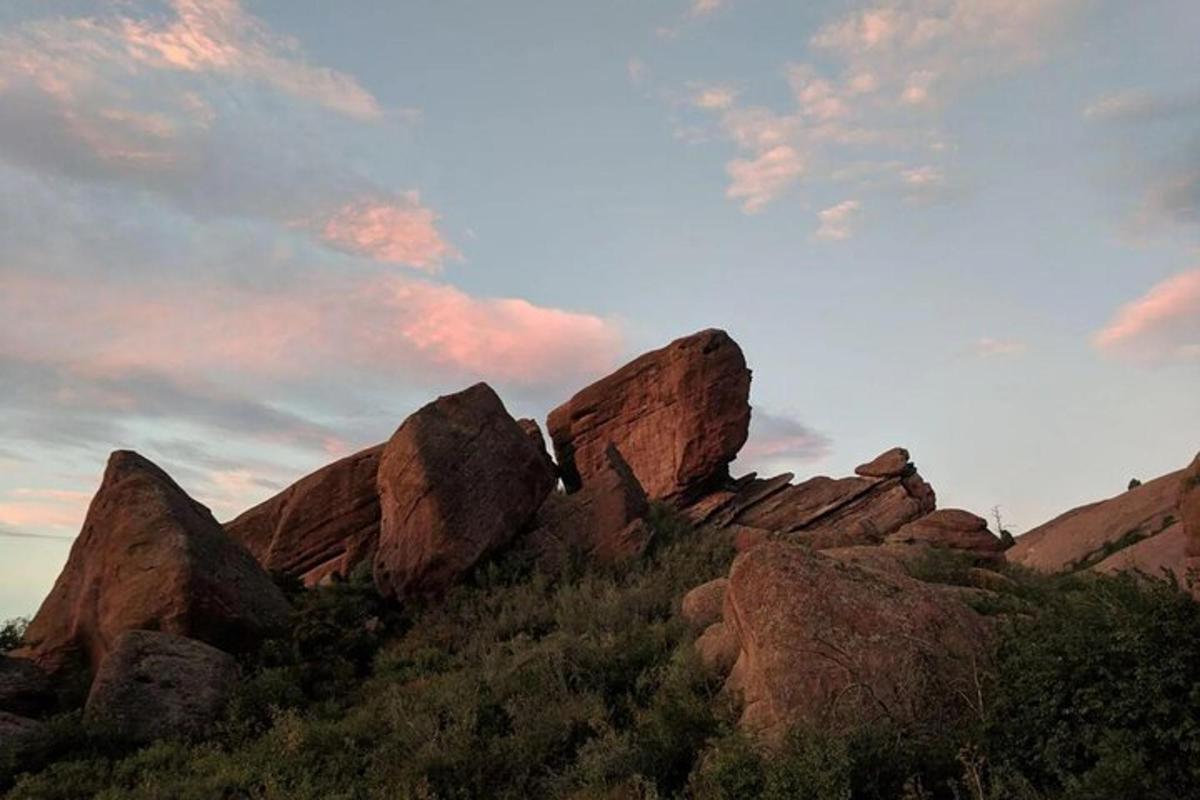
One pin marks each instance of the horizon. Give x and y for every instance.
(248, 238)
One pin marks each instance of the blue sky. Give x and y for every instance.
(247, 237)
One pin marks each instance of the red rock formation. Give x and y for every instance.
(836, 645)
(701, 607)
(679, 415)
(603, 521)
(325, 523)
(950, 528)
(458, 480)
(150, 557)
(153, 685)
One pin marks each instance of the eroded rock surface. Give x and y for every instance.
(950, 528)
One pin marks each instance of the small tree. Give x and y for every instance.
(1134, 483)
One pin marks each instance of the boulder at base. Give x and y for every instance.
(150, 557)
(836, 645)
(24, 688)
(679, 415)
(326, 523)
(156, 685)
(458, 480)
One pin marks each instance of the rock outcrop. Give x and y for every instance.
(24, 688)
(950, 528)
(156, 685)
(457, 481)
(326, 523)
(835, 645)
(603, 522)
(702, 606)
(679, 415)
(1188, 503)
(150, 557)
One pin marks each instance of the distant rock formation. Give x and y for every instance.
(952, 528)
(324, 524)
(458, 480)
(152, 685)
(150, 557)
(679, 415)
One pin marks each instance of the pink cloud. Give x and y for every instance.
(402, 232)
(44, 509)
(837, 222)
(1162, 324)
(756, 182)
(775, 438)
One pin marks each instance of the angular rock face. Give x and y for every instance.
(326, 523)
(890, 464)
(534, 433)
(834, 644)
(603, 521)
(458, 480)
(150, 557)
(1189, 505)
(1089, 534)
(950, 528)
(679, 415)
(155, 685)
(24, 688)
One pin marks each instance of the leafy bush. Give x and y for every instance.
(11, 632)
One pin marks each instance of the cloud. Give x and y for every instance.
(11, 534)
(836, 222)
(713, 98)
(775, 438)
(1161, 325)
(1140, 105)
(988, 347)
(756, 182)
(702, 8)
(399, 232)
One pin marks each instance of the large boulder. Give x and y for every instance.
(604, 521)
(457, 481)
(18, 736)
(24, 688)
(156, 685)
(950, 528)
(702, 606)
(326, 523)
(1085, 536)
(150, 557)
(836, 645)
(679, 415)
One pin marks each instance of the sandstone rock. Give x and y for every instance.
(18, 735)
(1188, 503)
(155, 685)
(746, 537)
(701, 607)
(1083, 536)
(990, 580)
(602, 521)
(150, 557)
(718, 648)
(458, 480)
(326, 523)
(24, 688)
(1166, 554)
(950, 528)
(679, 416)
(834, 645)
(891, 464)
(534, 432)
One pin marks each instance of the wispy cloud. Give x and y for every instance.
(989, 347)
(400, 231)
(776, 438)
(1142, 105)
(837, 222)
(1161, 325)
(756, 182)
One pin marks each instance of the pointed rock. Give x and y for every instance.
(457, 481)
(679, 415)
(326, 523)
(890, 464)
(150, 557)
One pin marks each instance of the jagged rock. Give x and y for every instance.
(950, 528)
(150, 557)
(325, 523)
(679, 415)
(701, 607)
(836, 645)
(155, 685)
(717, 648)
(1188, 503)
(458, 480)
(534, 432)
(891, 464)
(1085, 536)
(603, 521)
(18, 735)
(24, 688)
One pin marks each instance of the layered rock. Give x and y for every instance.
(1090, 534)
(835, 645)
(150, 557)
(603, 522)
(326, 523)
(24, 688)
(679, 415)
(156, 685)
(950, 528)
(457, 481)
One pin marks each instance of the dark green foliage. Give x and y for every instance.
(11, 632)
(1127, 539)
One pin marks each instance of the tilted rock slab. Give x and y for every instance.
(950, 528)
(835, 645)
(679, 415)
(457, 481)
(150, 557)
(154, 685)
(324, 524)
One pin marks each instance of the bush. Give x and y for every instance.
(11, 632)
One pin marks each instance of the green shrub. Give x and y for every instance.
(11, 632)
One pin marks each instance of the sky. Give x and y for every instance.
(246, 237)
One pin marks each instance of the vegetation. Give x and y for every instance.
(584, 685)
(11, 632)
